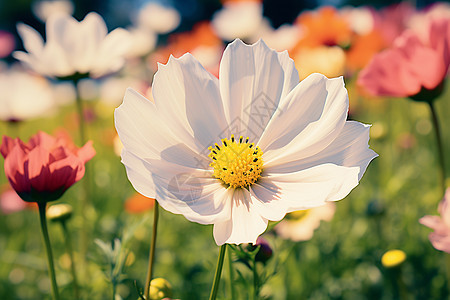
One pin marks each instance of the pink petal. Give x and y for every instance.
(16, 169)
(7, 145)
(38, 170)
(86, 152)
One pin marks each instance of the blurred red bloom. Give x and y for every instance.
(45, 167)
(138, 203)
(411, 67)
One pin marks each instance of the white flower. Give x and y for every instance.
(158, 18)
(238, 20)
(43, 9)
(24, 96)
(74, 47)
(284, 37)
(189, 148)
(300, 225)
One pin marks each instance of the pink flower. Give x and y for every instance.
(10, 202)
(44, 168)
(412, 67)
(440, 238)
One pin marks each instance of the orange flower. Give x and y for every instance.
(202, 34)
(138, 203)
(324, 27)
(363, 48)
(201, 42)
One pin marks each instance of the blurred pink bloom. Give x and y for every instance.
(411, 66)
(440, 238)
(393, 20)
(7, 43)
(10, 202)
(44, 168)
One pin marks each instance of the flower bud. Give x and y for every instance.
(59, 212)
(393, 258)
(160, 289)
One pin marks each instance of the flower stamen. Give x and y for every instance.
(237, 163)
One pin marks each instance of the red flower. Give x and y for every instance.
(44, 168)
(412, 67)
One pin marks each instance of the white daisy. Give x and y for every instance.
(238, 20)
(18, 103)
(243, 149)
(73, 47)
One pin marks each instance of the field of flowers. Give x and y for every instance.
(275, 232)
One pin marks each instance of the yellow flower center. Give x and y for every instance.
(236, 162)
(298, 215)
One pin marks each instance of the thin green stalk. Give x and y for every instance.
(215, 286)
(80, 110)
(84, 205)
(255, 281)
(434, 118)
(447, 267)
(48, 248)
(152, 252)
(69, 249)
(231, 275)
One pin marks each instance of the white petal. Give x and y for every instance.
(311, 187)
(32, 40)
(110, 55)
(193, 193)
(90, 34)
(141, 129)
(245, 224)
(252, 81)
(187, 97)
(310, 118)
(138, 174)
(349, 149)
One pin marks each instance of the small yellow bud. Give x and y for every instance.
(393, 258)
(59, 212)
(160, 289)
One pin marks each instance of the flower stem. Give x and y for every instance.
(434, 118)
(48, 248)
(255, 281)
(69, 249)
(79, 102)
(151, 257)
(85, 196)
(447, 265)
(231, 275)
(215, 287)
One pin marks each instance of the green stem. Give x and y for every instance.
(447, 265)
(255, 281)
(69, 248)
(215, 287)
(152, 251)
(48, 248)
(434, 118)
(231, 275)
(79, 103)
(85, 192)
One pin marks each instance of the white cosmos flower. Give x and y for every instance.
(238, 20)
(300, 152)
(158, 18)
(24, 96)
(74, 47)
